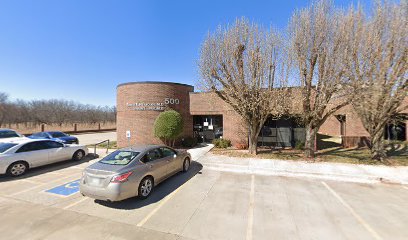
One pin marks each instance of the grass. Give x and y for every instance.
(397, 152)
(112, 145)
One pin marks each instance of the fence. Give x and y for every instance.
(28, 128)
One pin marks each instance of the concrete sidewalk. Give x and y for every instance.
(331, 171)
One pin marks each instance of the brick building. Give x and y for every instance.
(207, 117)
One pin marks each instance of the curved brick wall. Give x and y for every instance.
(139, 104)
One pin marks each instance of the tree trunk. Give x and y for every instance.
(253, 140)
(310, 141)
(377, 147)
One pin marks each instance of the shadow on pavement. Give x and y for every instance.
(160, 191)
(49, 168)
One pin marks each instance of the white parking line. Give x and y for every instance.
(30, 181)
(40, 185)
(55, 173)
(75, 203)
(373, 233)
(167, 198)
(251, 209)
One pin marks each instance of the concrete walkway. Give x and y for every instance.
(331, 171)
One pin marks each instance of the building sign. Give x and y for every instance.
(155, 106)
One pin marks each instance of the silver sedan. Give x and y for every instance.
(17, 156)
(132, 171)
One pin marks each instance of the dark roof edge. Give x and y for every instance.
(154, 82)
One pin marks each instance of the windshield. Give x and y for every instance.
(8, 134)
(119, 158)
(58, 134)
(6, 146)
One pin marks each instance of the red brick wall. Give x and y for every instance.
(141, 123)
(210, 104)
(354, 126)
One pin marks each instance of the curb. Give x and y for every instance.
(328, 171)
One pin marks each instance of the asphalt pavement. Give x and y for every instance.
(202, 204)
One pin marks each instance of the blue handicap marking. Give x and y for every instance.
(65, 189)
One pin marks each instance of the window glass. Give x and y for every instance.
(52, 144)
(6, 146)
(167, 152)
(57, 134)
(119, 158)
(8, 134)
(153, 155)
(30, 147)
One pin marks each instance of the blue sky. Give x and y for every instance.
(81, 50)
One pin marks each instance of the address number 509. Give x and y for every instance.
(171, 101)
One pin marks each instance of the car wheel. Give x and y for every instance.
(186, 165)
(78, 155)
(17, 169)
(146, 187)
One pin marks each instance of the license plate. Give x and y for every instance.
(95, 181)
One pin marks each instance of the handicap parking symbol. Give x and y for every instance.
(65, 189)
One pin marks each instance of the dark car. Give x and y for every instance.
(8, 134)
(56, 136)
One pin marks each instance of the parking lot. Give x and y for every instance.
(202, 204)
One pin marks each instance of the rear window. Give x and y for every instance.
(119, 158)
(58, 134)
(8, 134)
(6, 146)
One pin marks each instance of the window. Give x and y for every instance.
(51, 144)
(167, 152)
(6, 146)
(152, 155)
(58, 134)
(33, 146)
(119, 158)
(8, 134)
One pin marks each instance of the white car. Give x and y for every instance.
(16, 157)
(7, 135)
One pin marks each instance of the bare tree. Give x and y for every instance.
(243, 64)
(3, 107)
(317, 48)
(54, 111)
(378, 67)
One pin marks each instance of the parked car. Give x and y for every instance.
(132, 171)
(9, 135)
(16, 157)
(56, 136)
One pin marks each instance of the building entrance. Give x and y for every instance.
(207, 127)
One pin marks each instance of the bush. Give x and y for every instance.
(299, 145)
(221, 143)
(189, 142)
(168, 125)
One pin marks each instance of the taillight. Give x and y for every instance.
(121, 178)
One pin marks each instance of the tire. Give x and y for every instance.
(145, 187)
(186, 165)
(17, 169)
(78, 155)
